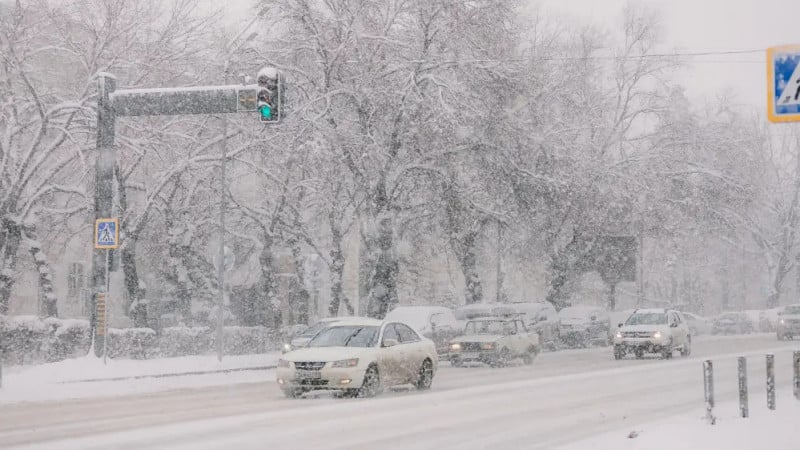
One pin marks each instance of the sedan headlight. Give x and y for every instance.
(618, 334)
(345, 363)
(783, 321)
(283, 363)
(657, 335)
(487, 346)
(455, 347)
(286, 348)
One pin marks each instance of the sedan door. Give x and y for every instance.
(391, 358)
(413, 353)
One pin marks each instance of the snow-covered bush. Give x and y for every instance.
(180, 341)
(23, 339)
(70, 338)
(133, 343)
(31, 340)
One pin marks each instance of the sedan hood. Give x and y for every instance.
(478, 338)
(324, 353)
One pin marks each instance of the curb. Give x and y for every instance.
(166, 375)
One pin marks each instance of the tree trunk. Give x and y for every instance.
(383, 294)
(467, 257)
(612, 296)
(12, 235)
(49, 299)
(337, 273)
(179, 273)
(266, 310)
(300, 296)
(136, 307)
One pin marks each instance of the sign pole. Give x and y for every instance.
(105, 322)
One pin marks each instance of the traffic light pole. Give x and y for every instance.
(111, 104)
(103, 194)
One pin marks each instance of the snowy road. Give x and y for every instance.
(563, 397)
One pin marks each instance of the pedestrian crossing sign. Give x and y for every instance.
(106, 233)
(783, 83)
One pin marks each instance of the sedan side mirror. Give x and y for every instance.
(390, 342)
(619, 325)
(594, 318)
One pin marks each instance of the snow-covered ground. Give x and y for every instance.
(774, 430)
(563, 398)
(90, 377)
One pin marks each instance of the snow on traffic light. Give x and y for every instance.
(270, 96)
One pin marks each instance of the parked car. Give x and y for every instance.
(697, 324)
(660, 331)
(789, 322)
(475, 310)
(494, 341)
(359, 357)
(732, 323)
(437, 323)
(542, 318)
(583, 325)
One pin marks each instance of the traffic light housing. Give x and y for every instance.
(270, 95)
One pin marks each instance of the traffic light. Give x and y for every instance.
(269, 95)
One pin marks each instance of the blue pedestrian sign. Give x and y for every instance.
(783, 83)
(106, 233)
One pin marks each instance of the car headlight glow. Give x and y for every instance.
(345, 363)
(618, 334)
(657, 335)
(783, 321)
(283, 363)
(455, 347)
(287, 348)
(487, 345)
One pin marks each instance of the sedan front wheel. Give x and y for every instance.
(372, 383)
(425, 378)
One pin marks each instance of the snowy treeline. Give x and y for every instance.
(425, 130)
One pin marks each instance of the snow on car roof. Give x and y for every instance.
(365, 321)
(651, 311)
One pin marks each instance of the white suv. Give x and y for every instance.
(660, 331)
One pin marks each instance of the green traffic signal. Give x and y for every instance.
(266, 112)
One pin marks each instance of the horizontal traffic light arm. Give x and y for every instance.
(185, 100)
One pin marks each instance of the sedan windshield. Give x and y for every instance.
(501, 327)
(647, 319)
(314, 329)
(345, 336)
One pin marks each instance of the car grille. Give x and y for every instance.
(637, 334)
(472, 346)
(308, 365)
(313, 382)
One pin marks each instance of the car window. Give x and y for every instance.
(406, 334)
(647, 319)
(793, 309)
(390, 333)
(345, 336)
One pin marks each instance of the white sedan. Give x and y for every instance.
(359, 358)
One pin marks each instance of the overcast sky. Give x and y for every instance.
(711, 25)
(690, 26)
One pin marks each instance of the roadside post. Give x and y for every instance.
(708, 388)
(743, 406)
(771, 381)
(106, 237)
(796, 376)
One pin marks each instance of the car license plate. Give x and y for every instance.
(308, 375)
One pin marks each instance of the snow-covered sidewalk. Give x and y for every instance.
(775, 430)
(89, 377)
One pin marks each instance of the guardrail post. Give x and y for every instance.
(796, 378)
(743, 407)
(708, 388)
(771, 381)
